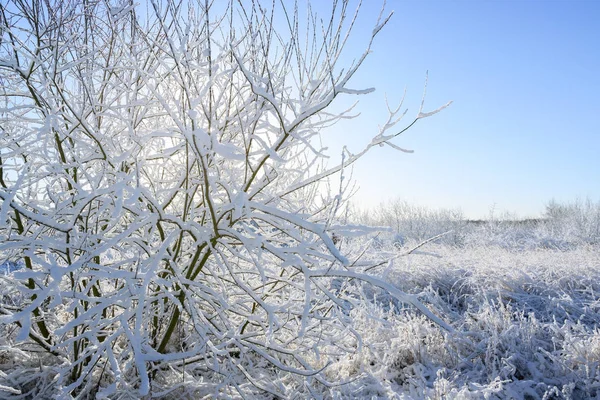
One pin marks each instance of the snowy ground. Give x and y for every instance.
(525, 310)
(526, 327)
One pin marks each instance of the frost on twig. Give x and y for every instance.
(423, 114)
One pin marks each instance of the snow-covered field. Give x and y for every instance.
(525, 313)
(526, 327)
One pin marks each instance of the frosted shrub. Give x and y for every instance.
(161, 181)
(563, 226)
(416, 223)
(578, 221)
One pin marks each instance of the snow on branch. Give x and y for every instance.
(162, 190)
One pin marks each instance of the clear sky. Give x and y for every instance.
(524, 126)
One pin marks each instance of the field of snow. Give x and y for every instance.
(524, 307)
(523, 297)
(526, 327)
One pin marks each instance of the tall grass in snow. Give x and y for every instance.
(528, 322)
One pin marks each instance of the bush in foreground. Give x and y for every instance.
(160, 181)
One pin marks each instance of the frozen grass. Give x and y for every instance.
(527, 327)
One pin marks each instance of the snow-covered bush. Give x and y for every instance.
(417, 223)
(562, 226)
(577, 221)
(161, 183)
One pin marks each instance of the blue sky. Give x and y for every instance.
(524, 126)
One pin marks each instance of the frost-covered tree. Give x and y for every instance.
(161, 183)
